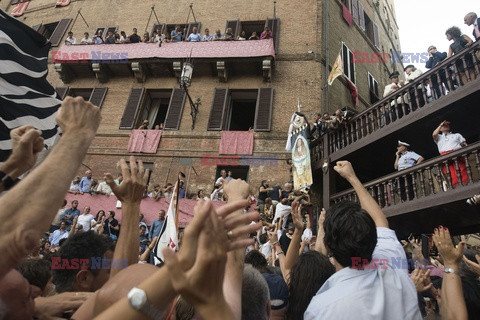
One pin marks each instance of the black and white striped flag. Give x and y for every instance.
(26, 97)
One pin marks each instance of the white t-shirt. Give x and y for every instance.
(104, 188)
(86, 41)
(85, 220)
(449, 142)
(281, 210)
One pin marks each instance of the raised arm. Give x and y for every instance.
(22, 227)
(436, 132)
(130, 193)
(294, 247)
(345, 169)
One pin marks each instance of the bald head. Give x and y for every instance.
(470, 18)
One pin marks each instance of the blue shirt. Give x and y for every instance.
(207, 38)
(181, 193)
(176, 37)
(194, 37)
(377, 293)
(58, 235)
(155, 228)
(84, 185)
(72, 214)
(407, 160)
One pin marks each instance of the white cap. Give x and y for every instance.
(400, 143)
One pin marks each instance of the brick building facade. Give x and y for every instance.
(306, 35)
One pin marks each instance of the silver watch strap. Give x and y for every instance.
(152, 311)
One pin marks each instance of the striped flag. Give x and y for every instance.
(168, 236)
(337, 69)
(26, 97)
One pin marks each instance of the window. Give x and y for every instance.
(347, 4)
(372, 31)
(255, 26)
(48, 29)
(237, 172)
(158, 105)
(348, 65)
(95, 95)
(241, 110)
(373, 88)
(54, 31)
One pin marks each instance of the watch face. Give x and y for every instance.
(137, 298)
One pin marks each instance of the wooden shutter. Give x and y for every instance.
(263, 110)
(97, 97)
(274, 25)
(355, 11)
(190, 27)
(217, 113)
(131, 110)
(361, 16)
(376, 40)
(59, 31)
(175, 109)
(62, 92)
(235, 25)
(14, 2)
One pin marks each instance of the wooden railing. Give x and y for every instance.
(428, 178)
(408, 99)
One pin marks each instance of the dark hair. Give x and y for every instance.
(257, 260)
(350, 232)
(308, 274)
(263, 238)
(98, 213)
(37, 271)
(85, 245)
(470, 286)
(112, 213)
(454, 32)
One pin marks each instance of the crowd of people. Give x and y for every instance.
(160, 35)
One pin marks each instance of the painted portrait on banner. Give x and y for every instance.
(302, 169)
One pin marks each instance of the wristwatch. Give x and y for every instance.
(138, 301)
(450, 270)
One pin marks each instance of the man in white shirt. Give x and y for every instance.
(405, 159)
(85, 219)
(70, 39)
(207, 36)
(448, 142)
(282, 210)
(104, 188)
(194, 36)
(86, 39)
(389, 89)
(360, 289)
(414, 93)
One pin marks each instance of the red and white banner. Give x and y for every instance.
(144, 141)
(236, 142)
(19, 9)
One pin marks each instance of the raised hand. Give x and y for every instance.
(26, 144)
(78, 117)
(450, 254)
(134, 181)
(345, 169)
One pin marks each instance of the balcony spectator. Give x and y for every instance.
(194, 36)
(448, 142)
(86, 219)
(287, 189)
(58, 235)
(217, 36)
(475, 200)
(70, 39)
(58, 217)
(229, 176)
(316, 125)
(123, 37)
(84, 185)
(328, 123)
(157, 225)
(460, 42)
(98, 38)
(144, 242)
(156, 192)
(154, 38)
(167, 190)
(70, 213)
(242, 36)
(201, 195)
(104, 188)
(142, 223)
(168, 38)
(389, 89)
(254, 36)
(146, 37)
(86, 39)
(98, 222)
(93, 187)
(275, 194)
(414, 93)
(160, 37)
(207, 36)
(116, 36)
(144, 125)
(435, 58)
(405, 159)
(176, 34)
(119, 179)
(109, 39)
(111, 227)
(266, 34)
(471, 18)
(75, 185)
(229, 36)
(134, 37)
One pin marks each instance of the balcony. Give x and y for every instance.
(426, 190)
(142, 60)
